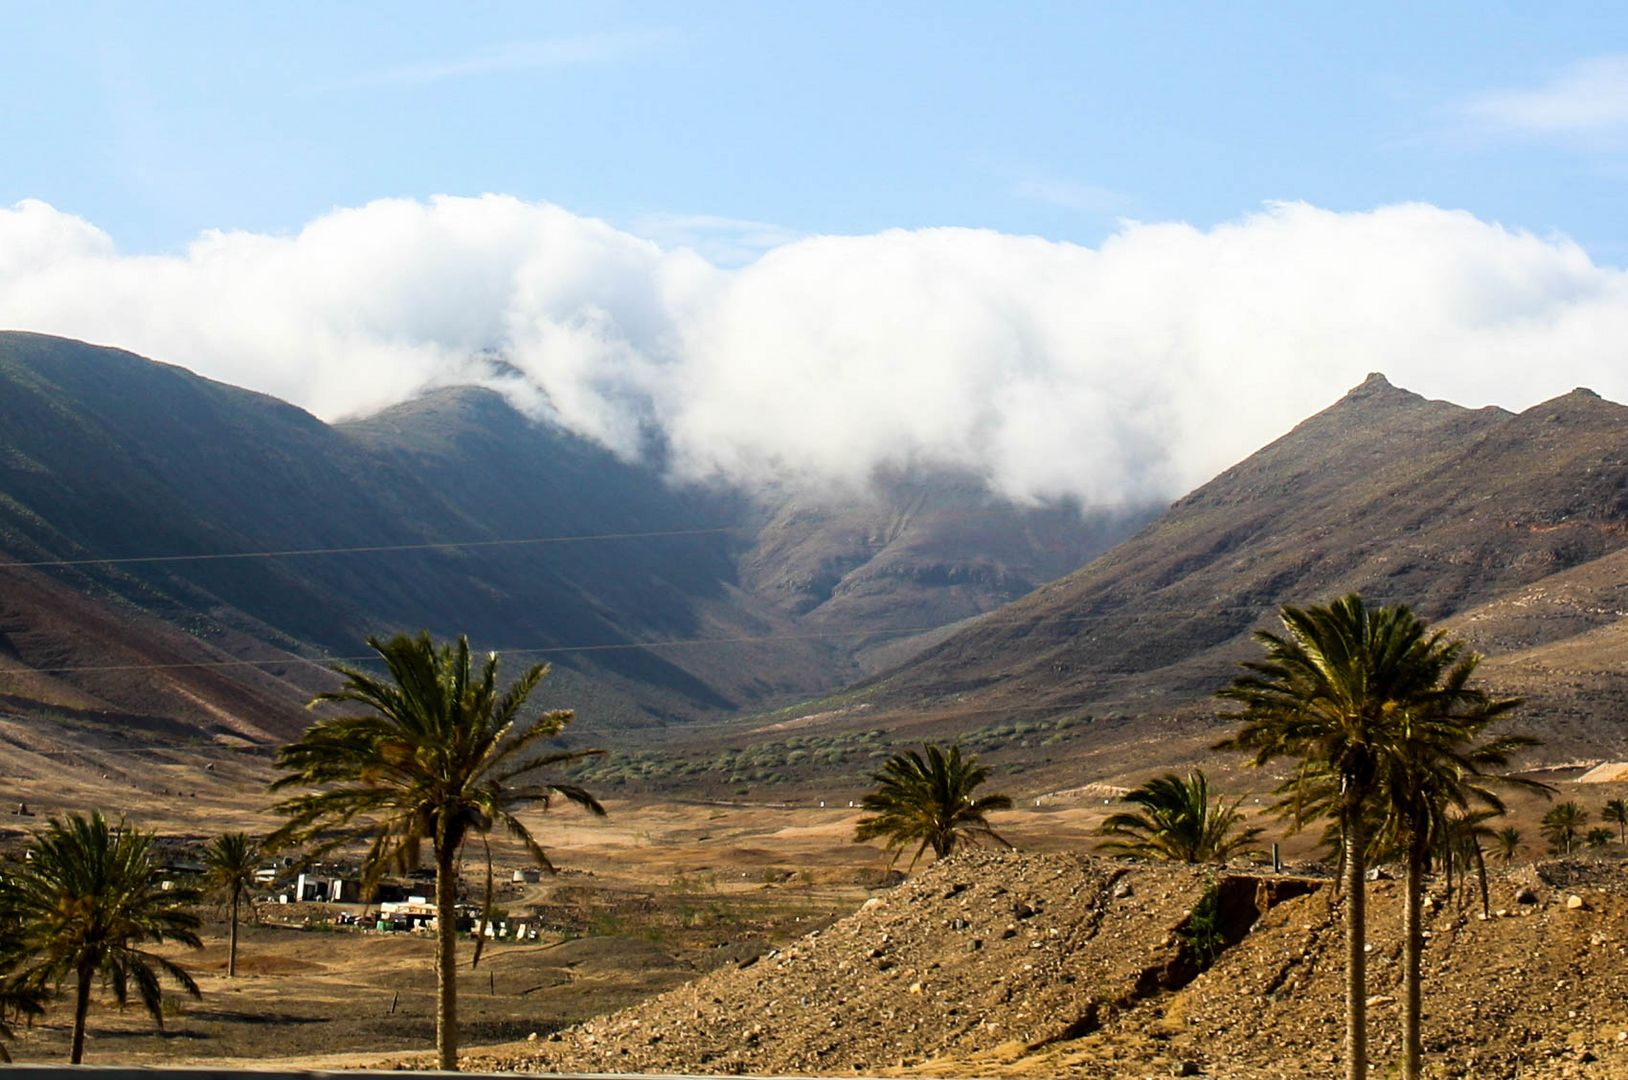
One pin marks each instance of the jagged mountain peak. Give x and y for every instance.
(1377, 389)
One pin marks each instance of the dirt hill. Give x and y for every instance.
(1006, 964)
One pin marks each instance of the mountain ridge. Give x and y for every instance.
(1385, 493)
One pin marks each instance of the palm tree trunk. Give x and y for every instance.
(1356, 940)
(81, 1008)
(1412, 955)
(1481, 875)
(446, 958)
(231, 946)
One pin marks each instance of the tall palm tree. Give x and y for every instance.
(1179, 822)
(1563, 825)
(229, 863)
(1333, 693)
(436, 754)
(86, 903)
(929, 799)
(1437, 765)
(1616, 812)
(1507, 843)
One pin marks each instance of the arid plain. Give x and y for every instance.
(653, 896)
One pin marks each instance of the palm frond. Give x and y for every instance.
(927, 797)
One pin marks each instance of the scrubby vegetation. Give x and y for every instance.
(830, 757)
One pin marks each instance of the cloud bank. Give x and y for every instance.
(1110, 375)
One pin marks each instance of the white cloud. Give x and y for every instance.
(1135, 369)
(1589, 97)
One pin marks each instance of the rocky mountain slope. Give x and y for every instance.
(453, 513)
(1009, 964)
(1460, 513)
(911, 557)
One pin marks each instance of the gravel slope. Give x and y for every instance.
(1009, 964)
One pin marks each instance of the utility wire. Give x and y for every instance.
(1254, 611)
(970, 622)
(372, 549)
(744, 724)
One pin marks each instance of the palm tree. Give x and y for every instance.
(85, 903)
(436, 755)
(20, 995)
(1562, 825)
(929, 799)
(230, 863)
(1333, 693)
(1462, 846)
(17, 999)
(1436, 765)
(1179, 822)
(1507, 842)
(1616, 812)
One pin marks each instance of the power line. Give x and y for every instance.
(443, 545)
(970, 622)
(939, 713)
(373, 549)
(744, 724)
(582, 538)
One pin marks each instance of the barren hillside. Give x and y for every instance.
(1450, 510)
(993, 964)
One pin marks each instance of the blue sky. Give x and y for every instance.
(1054, 119)
(1084, 251)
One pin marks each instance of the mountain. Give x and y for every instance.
(197, 553)
(1510, 527)
(153, 502)
(902, 563)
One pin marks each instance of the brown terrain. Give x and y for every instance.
(758, 939)
(1032, 966)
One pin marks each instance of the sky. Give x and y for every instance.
(1087, 251)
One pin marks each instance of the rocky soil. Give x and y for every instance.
(1008, 964)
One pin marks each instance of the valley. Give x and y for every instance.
(748, 665)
